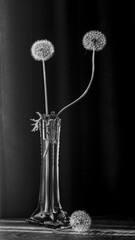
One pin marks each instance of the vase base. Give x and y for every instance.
(53, 220)
(47, 224)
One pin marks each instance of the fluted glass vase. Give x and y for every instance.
(49, 211)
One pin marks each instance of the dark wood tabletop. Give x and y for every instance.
(100, 230)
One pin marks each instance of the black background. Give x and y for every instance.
(97, 136)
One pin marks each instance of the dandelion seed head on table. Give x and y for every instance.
(42, 50)
(94, 40)
(80, 221)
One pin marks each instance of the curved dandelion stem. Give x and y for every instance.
(45, 88)
(87, 89)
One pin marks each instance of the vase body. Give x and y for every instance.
(49, 211)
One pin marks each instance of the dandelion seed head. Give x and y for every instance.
(42, 50)
(80, 221)
(94, 40)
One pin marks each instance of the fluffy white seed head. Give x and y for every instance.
(94, 40)
(80, 221)
(42, 50)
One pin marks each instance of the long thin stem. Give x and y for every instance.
(87, 89)
(45, 89)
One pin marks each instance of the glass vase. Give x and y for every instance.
(49, 211)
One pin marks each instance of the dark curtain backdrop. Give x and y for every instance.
(97, 170)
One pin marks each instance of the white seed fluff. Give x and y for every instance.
(80, 221)
(42, 50)
(94, 40)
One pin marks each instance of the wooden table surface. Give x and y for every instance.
(100, 230)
